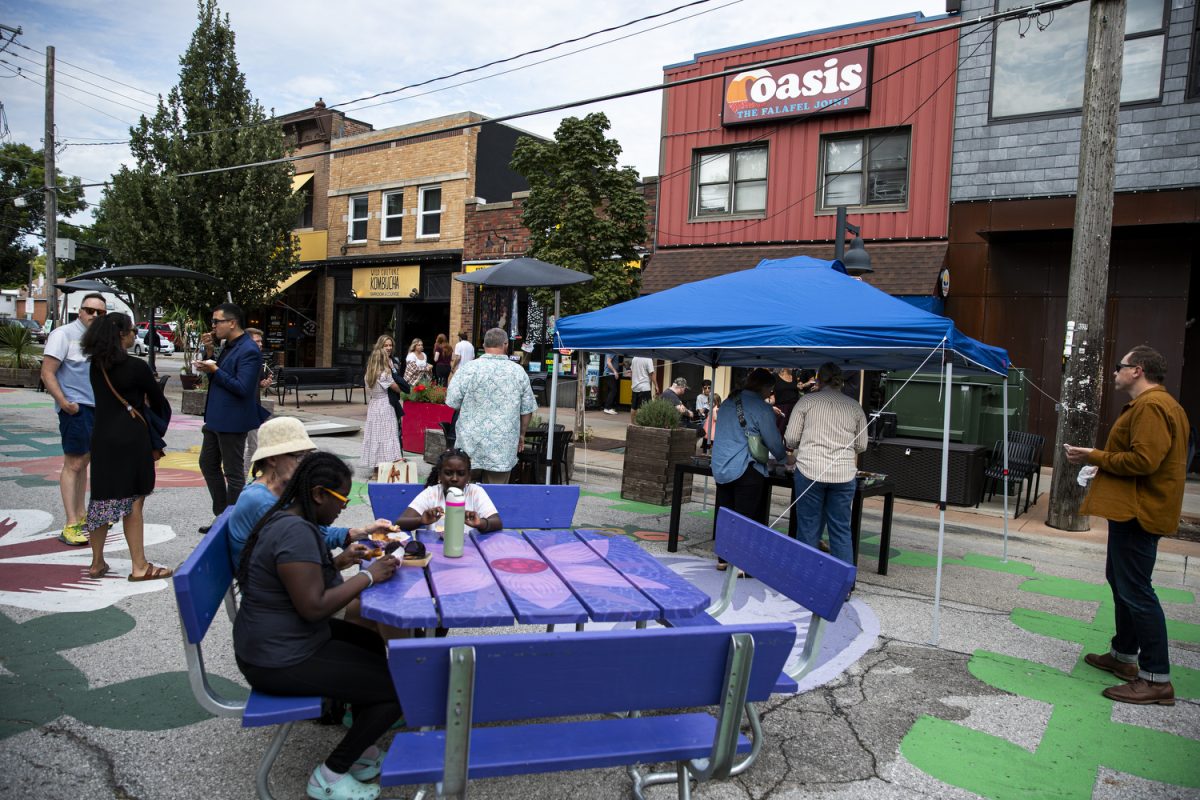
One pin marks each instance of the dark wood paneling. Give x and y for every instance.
(1028, 268)
(966, 220)
(1033, 215)
(967, 313)
(968, 268)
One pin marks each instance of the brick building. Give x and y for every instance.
(1016, 154)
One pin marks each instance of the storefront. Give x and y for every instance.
(289, 321)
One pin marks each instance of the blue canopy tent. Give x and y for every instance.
(794, 312)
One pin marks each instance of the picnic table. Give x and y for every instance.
(539, 577)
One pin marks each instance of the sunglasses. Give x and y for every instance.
(99, 312)
(345, 500)
(215, 322)
(1122, 365)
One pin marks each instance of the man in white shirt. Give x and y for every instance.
(643, 383)
(66, 375)
(464, 351)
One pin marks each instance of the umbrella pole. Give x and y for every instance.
(553, 399)
(937, 581)
(150, 340)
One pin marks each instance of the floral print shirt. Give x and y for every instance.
(491, 394)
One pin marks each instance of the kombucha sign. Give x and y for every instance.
(826, 85)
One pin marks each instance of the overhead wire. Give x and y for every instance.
(59, 60)
(61, 75)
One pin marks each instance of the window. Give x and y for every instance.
(305, 218)
(1039, 68)
(429, 207)
(358, 219)
(730, 182)
(393, 214)
(867, 169)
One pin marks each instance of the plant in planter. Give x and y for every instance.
(424, 409)
(19, 365)
(187, 339)
(654, 444)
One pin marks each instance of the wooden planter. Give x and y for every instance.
(193, 402)
(189, 381)
(650, 457)
(419, 417)
(23, 378)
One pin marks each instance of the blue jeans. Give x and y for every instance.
(1141, 626)
(825, 505)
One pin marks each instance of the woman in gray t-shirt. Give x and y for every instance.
(285, 638)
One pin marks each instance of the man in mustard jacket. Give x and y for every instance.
(1139, 490)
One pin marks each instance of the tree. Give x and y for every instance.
(23, 175)
(235, 225)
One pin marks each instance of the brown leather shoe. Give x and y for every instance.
(1143, 693)
(1105, 661)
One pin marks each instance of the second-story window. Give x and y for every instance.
(393, 214)
(429, 211)
(866, 169)
(730, 182)
(357, 230)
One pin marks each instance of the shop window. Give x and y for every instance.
(305, 218)
(1038, 68)
(357, 231)
(393, 215)
(731, 182)
(350, 327)
(429, 206)
(865, 170)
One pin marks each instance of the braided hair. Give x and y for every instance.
(435, 474)
(318, 469)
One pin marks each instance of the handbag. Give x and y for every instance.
(758, 450)
(398, 471)
(156, 424)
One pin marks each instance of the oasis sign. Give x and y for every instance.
(812, 86)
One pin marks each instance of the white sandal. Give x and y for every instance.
(346, 787)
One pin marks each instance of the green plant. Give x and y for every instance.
(16, 347)
(657, 414)
(586, 435)
(427, 393)
(187, 335)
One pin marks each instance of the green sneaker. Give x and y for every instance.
(73, 535)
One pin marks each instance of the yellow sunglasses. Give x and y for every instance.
(345, 500)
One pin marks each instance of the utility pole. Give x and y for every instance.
(51, 192)
(1085, 377)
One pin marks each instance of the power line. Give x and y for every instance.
(90, 72)
(96, 85)
(36, 82)
(657, 87)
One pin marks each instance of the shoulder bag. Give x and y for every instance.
(156, 425)
(758, 450)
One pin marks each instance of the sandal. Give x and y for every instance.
(346, 787)
(152, 573)
(97, 574)
(367, 769)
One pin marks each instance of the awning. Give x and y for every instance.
(291, 279)
(298, 181)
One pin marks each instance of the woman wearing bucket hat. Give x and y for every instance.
(282, 445)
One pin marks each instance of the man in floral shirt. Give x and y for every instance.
(494, 402)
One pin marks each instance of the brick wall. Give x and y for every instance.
(1158, 145)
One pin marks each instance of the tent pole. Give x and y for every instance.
(937, 581)
(1004, 404)
(554, 398)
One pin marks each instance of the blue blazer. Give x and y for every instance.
(232, 404)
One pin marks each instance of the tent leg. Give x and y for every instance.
(553, 400)
(1004, 404)
(937, 580)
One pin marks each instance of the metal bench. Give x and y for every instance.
(300, 379)
(521, 506)
(457, 685)
(202, 584)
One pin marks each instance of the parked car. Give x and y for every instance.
(35, 330)
(165, 345)
(165, 331)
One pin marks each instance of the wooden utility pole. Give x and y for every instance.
(51, 186)
(1085, 377)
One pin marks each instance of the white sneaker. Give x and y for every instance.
(612, 411)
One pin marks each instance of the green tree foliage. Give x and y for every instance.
(23, 174)
(583, 211)
(233, 225)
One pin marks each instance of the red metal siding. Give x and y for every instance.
(919, 94)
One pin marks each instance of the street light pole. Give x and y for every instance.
(857, 261)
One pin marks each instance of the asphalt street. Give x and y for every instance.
(94, 700)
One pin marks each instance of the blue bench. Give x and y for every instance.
(520, 506)
(202, 584)
(457, 685)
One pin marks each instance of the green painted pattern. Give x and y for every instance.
(632, 506)
(42, 685)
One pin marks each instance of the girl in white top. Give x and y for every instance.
(453, 468)
(416, 366)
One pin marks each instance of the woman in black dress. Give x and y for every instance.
(122, 458)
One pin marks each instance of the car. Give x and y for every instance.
(35, 330)
(165, 346)
(165, 331)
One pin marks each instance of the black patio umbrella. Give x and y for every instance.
(72, 285)
(530, 273)
(148, 271)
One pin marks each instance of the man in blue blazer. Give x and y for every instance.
(231, 409)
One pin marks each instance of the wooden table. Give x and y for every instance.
(539, 577)
(885, 489)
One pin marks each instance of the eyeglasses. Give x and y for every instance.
(99, 312)
(1121, 365)
(215, 322)
(345, 500)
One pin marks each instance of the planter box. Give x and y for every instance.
(193, 402)
(419, 417)
(651, 454)
(23, 378)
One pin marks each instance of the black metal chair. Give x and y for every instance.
(1034, 478)
(1021, 462)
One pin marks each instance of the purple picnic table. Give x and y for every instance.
(535, 577)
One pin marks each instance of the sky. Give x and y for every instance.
(114, 56)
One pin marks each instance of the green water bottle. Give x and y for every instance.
(452, 534)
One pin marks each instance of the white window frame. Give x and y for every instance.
(351, 219)
(422, 214)
(731, 194)
(388, 218)
(864, 205)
